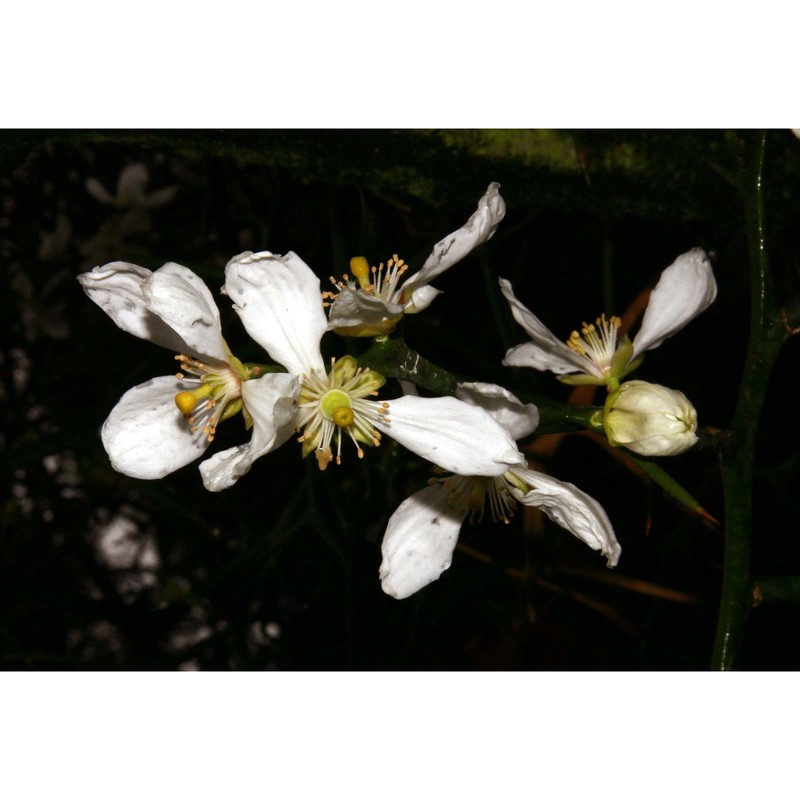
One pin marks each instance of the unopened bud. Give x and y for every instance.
(649, 419)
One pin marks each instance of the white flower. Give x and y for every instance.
(278, 300)
(131, 217)
(422, 533)
(375, 302)
(131, 190)
(685, 289)
(167, 422)
(649, 419)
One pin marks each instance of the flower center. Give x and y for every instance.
(217, 396)
(381, 281)
(597, 343)
(334, 405)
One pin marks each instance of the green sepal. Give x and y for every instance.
(232, 409)
(582, 379)
(343, 370)
(346, 368)
(620, 361)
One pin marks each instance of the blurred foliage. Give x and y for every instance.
(101, 571)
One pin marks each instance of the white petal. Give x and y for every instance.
(146, 435)
(131, 184)
(180, 298)
(545, 351)
(272, 403)
(421, 298)
(160, 197)
(685, 289)
(98, 191)
(419, 541)
(570, 508)
(479, 228)
(117, 289)
(506, 409)
(353, 308)
(279, 301)
(453, 435)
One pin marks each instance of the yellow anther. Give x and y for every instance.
(360, 269)
(575, 343)
(186, 402)
(343, 416)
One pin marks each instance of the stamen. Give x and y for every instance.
(384, 283)
(217, 396)
(470, 494)
(597, 342)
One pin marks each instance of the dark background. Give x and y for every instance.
(101, 571)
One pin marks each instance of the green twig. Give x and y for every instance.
(392, 358)
(767, 333)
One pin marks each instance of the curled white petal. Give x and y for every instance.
(117, 288)
(479, 228)
(519, 419)
(570, 508)
(353, 308)
(181, 299)
(420, 298)
(272, 403)
(544, 351)
(685, 289)
(279, 301)
(452, 434)
(419, 541)
(146, 435)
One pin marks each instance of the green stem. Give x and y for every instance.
(767, 332)
(392, 358)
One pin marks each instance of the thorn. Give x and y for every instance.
(705, 515)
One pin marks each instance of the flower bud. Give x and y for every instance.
(649, 419)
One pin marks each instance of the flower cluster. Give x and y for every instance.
(471, 438)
